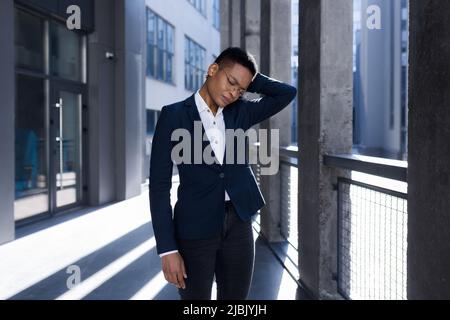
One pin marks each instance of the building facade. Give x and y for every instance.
(80, 105)
(179, 51)
(72, 106)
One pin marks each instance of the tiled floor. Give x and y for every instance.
(110, 253)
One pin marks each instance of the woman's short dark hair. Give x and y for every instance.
(237, 55)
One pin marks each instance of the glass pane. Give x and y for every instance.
(29, 41)
(186, 76)
(202, 59)
(191, 53)
(65, 52)
(186, 50)
(169, 68)
(160, 33)
(170, 39)
(151, 28)
(197, 56)
(160, 64)
(203, 5)
(68, 158)
(190, 82)
(166, 36)
(151, 60)
(31, 177)
(196, 78)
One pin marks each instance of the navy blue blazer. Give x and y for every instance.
(199, 210)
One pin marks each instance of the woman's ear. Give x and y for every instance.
(212, 70)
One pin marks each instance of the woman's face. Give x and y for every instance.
(227, 83)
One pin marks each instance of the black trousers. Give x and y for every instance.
(229, 257)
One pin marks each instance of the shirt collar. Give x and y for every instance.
(202, 106)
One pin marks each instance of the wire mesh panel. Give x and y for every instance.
(372, 242)
(287, 252)
(288, 198)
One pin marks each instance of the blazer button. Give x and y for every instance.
(222, 175)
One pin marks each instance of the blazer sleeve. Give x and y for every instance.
(276, 96)
(160, 183)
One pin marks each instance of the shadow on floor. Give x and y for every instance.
(55, 285)
(266, 285)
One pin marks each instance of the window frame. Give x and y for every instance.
(160, 53)
(194, 64)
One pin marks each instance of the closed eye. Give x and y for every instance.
(234, 84)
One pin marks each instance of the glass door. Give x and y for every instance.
(67, 147)
(31, 148)
(50, 89)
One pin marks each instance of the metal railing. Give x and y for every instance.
(289, 197)
(287, 254)
(372, 228)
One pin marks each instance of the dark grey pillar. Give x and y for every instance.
(275, 61)
(429, 151)
(325, 126)
(101, 72)
(231, 23)
(236, 20)
(7, 134)
(129, 94)
(252, 27)
(225, 35)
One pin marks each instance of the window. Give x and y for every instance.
(200, 5)
(216, 14)
(65, 51)
(160, 48)
(194, 65)
(152, 119)
(29, 41)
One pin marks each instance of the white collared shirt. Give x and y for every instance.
(214, 128)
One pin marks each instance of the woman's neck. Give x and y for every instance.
(207, 98)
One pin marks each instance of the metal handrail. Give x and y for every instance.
(386, 168)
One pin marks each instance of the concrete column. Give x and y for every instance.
(101, 84)
(236, 22)
(263, 28)
(275, 61)
(232, 22)
(252, 27)
(7, 98)
(129, 95)
(325, 127)
(225, 35)
(429, 151)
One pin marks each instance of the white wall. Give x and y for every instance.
(186, 21)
